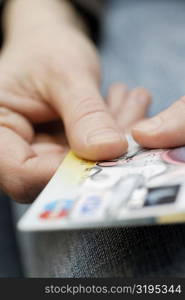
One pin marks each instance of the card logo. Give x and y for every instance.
(56, 209)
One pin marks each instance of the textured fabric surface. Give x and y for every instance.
(9, 256)
(121, 252)
(144, 44)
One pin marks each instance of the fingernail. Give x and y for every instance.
(149, 125)
(105, 136)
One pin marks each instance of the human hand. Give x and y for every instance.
(47, 82)
(165, 130)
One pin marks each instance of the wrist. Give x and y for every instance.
(25, 18)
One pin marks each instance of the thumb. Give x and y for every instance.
(91, 131)
(165, 130)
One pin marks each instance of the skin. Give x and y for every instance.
(50, 98)
(165, 130)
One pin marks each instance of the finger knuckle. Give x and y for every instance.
(17, 187)
(4, 111)
(86, 107)
(6, 118)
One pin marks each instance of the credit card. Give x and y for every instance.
(141, 187)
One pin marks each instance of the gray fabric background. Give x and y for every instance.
(144, 44)
(9, 256)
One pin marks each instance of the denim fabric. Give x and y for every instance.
(144, 44)
(9, 256)
(118, 252)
